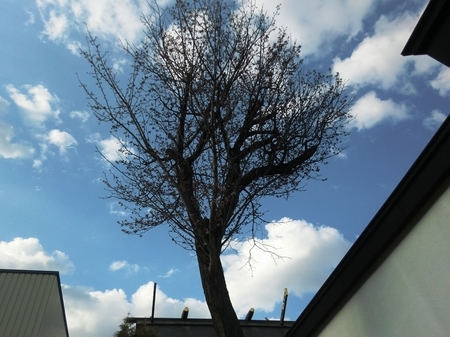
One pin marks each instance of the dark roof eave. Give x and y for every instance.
(427, 29)
(207, 322)
(420, 182)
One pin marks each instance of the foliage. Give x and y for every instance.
(218, 112)
(127, 329)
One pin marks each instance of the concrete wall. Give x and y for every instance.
(408, 292)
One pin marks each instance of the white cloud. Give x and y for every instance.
(10, 150)
(442, 82)
(37, 163)
(113, 209)
(37, 104)
(118, 64)
(107, 19)
(170, 273)
(316, 24)
(118, 265)
(369, 111)
(82, 115)
(4, 105)
(89, 312)
(31, 20)
(92, 313)
(56, 25)
(165, 305)
(312, 254)
(99, 313)
(435, 120)
(61, 139)
(112, 150)
(28, 253)
(377, 60)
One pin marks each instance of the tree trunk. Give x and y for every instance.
(224, 317)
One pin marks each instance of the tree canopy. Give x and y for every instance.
(218, 112)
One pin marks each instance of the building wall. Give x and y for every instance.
(173, 327)
(408, 292)
(31, 304)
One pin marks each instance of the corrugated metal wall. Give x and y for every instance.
(31, 305)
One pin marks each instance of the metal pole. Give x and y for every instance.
(249, 314)
(154, 300)
(283, 305)
(184, 313)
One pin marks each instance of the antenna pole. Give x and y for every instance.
(154, 300)
(283, 306)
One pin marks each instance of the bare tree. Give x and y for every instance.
(218, 112)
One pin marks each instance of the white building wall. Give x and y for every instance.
(409, 293)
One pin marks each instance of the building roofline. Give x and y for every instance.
(423, 178)
(27, 271)
(208, 322)
(435, 15)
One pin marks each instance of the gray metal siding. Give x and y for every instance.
(31, 305)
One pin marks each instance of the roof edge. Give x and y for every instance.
(425, 27)
(421, 180)
(28, 271)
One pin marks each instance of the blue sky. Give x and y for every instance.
(53, 216)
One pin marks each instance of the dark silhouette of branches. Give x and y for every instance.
(217, 113)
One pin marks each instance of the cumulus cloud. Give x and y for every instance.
(82, 115)
(4, 105)
(31, 20)
(94, 313)
(61, 139)
(118, 265)
(91, 312)
(37, 103)
(310, 253)
(369, 110)
(377, 60)
(442, 82)
(10, 150)
(114, 209)
(170, 273)
(313, 253)
(98, 313)
(316, 24)
(56, 25)
(37, 163)
(165, 305)
(111, 150)
(104, 18)
(28, 253)
(434, 120)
